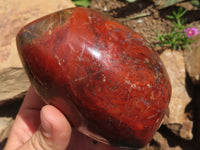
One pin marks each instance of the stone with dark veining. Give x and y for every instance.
(102, 75)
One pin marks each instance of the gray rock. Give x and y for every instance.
(12, 77)
(14, 84)
(163, 143)
(5, 126)
(160, 143)
(176, 119)
(10, 23)
(192, 60)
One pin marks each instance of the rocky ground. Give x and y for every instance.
(180, 128)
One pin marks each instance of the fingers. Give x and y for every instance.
(26, 122)
(53, 134)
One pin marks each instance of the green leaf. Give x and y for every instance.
(183, 21)
(195, 3)
(188, 46)
(170, 2)
(170, 17)
(82, 3)
(182, 13)
(179, 47)
(174, 13)
(176, 38)
(175, 24)
(131, 1)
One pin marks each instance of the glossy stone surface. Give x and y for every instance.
(103, 76)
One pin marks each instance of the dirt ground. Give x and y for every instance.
(144, 17)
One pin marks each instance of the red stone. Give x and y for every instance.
(103, 76)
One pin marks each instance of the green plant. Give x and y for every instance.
(166, 3)
(131, 1)
(82, 3)
(176, 38)
(195, 3)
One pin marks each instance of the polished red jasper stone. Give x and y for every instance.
(103, 76)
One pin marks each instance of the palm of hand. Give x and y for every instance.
(28, 121)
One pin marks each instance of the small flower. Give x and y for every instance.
(191, 31)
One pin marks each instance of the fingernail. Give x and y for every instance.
(46, 126)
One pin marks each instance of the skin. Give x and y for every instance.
(43, 127)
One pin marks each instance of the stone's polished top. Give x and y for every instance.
(103, 76)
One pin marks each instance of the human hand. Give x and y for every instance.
(43, 127)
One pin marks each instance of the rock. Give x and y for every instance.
(5, 126)
(176, 119)
(192, 60)
(13, 80)
(160, 143)
(186, 130)
(13, 16)
(163, 143)
(10, 23)
(118, 83)
(14, 84)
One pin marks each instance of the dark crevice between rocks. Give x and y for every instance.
(196, 116)
(10, 109)
(2, 144)
(174, 140)
(155, 145)
(193, 110)
(193, 113)
(191, 15)
(190, 90)
(130, 8)
(189, 85)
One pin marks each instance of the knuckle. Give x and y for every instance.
(39, 142)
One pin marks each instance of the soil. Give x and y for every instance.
(144, 17)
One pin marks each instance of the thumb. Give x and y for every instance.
(53, 134)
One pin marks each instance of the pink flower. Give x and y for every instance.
(191, 31)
